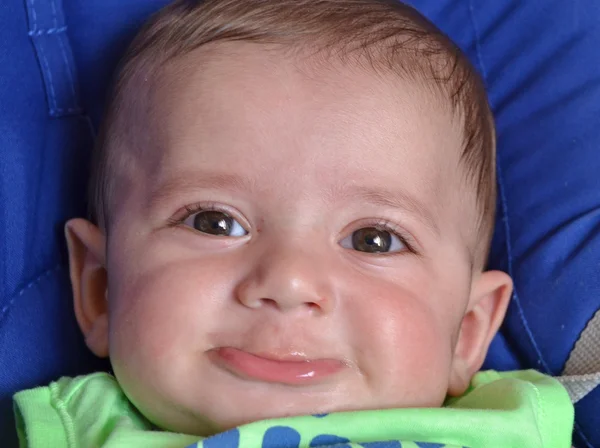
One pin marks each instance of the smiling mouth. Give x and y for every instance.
(274, 370)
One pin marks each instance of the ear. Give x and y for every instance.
(87, 261)
(490, 296)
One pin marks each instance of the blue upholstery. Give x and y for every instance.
(541, 63)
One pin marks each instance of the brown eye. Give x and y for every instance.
(373, 240)
(214, 222)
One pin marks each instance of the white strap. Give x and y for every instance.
(585, 357)
(578, 386)
(582, 369)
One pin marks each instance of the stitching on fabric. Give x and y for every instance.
(69, 68)
(582, 435)
(63, 52)
(504, 204)
(517, 301)
(64, 415)
(33, 15)
(27, 287)
(54, 110)
(43, 60)
(59, 30)
(54, 14)
(46, 68)
(540, 406)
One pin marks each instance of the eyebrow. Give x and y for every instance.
(392, 199)
(186, 182)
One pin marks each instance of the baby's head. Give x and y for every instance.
(293, 203)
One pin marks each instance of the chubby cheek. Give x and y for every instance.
(160, 310)
(402, 347)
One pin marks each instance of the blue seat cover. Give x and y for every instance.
(540, 62)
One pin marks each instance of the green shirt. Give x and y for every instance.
(500, 410)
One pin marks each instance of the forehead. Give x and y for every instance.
(255, 97)
(274, 118)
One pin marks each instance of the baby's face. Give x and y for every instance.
(295, 241)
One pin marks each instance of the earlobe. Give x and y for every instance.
(87, 261)
(490, 296)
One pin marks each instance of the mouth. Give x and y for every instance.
(289, 370)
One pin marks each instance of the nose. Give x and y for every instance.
(288, 278)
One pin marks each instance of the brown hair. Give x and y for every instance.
(387, 34)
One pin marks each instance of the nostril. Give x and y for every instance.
(312, 306)
(269, 303)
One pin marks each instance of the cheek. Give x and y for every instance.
(401, 339)
(163, 308)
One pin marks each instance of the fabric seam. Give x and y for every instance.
(540, 402)
(504, 205)
(39, 46)
(30, 285)
(66, 419)
(64, 52)
(43, 60)
(582, 435)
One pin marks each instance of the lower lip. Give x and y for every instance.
(276, 371)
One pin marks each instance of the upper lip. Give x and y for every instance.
(293, 356)
(282, 355)
(277, 345)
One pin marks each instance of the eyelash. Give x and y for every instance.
(192, 209)
(379, 224)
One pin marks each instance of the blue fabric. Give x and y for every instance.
(542, 68)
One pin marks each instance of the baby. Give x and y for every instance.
(293, 202)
